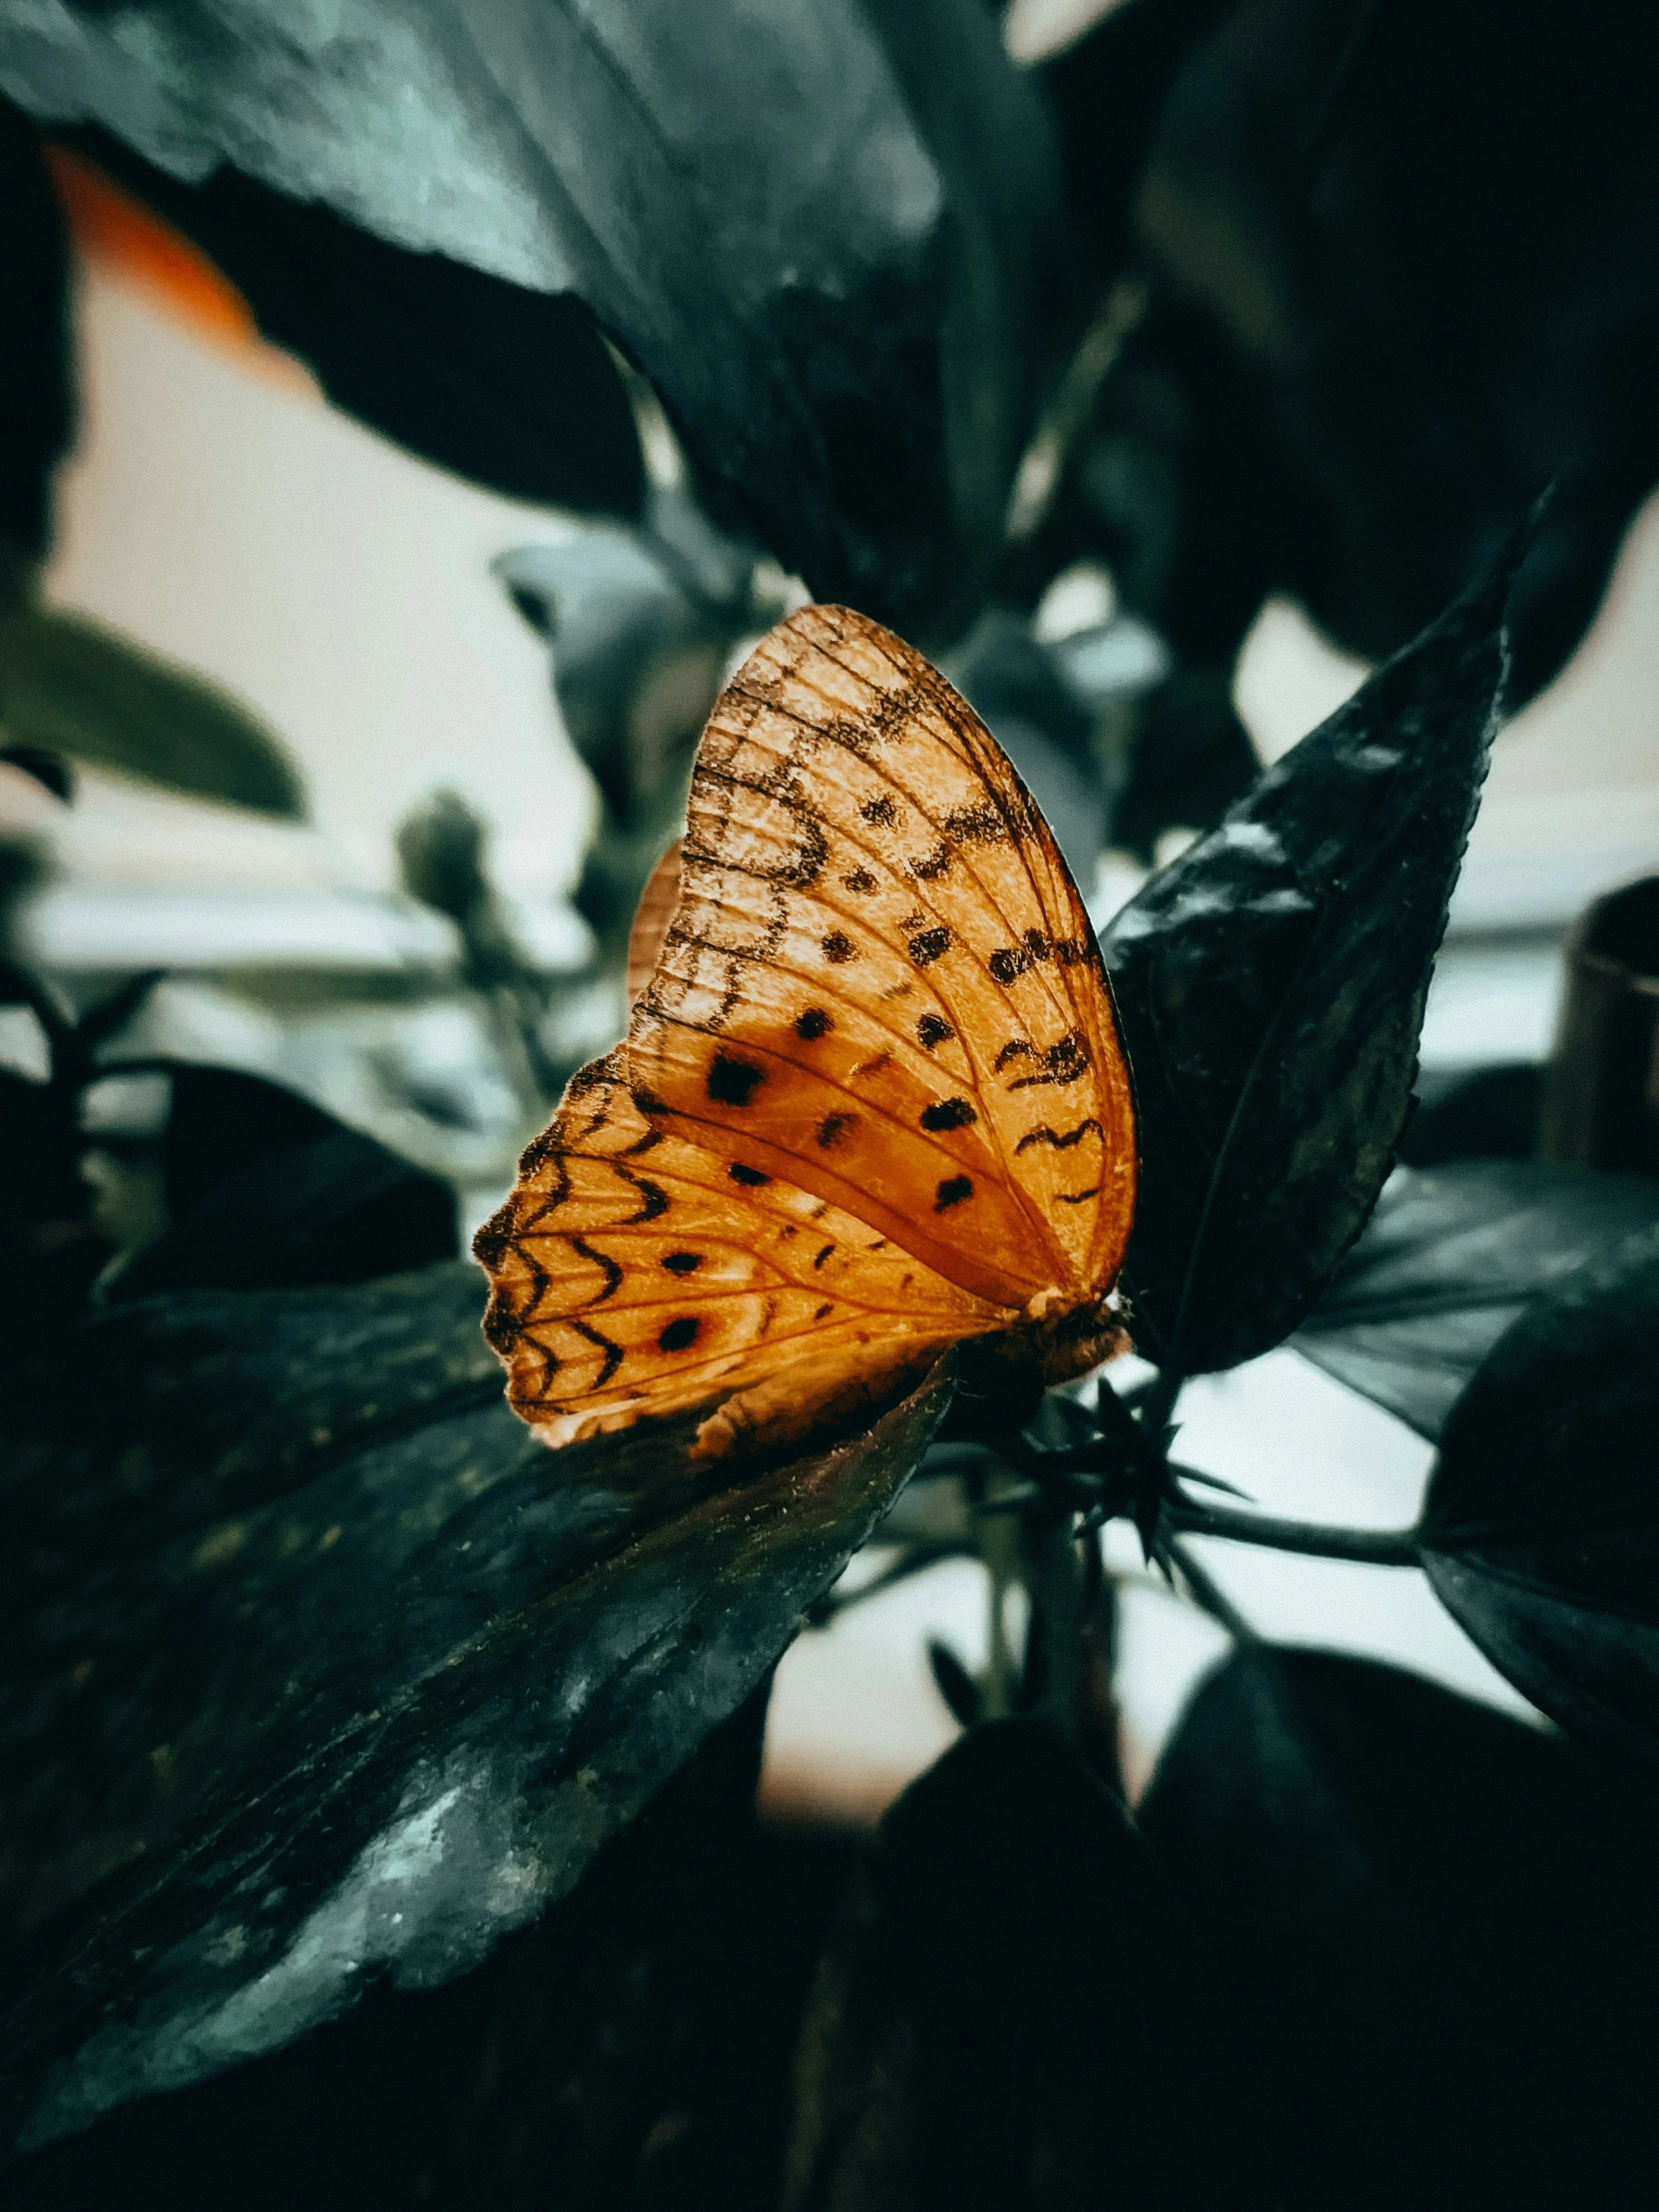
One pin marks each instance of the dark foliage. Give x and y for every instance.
(377, 1788)
(1482, 1113)
(1452, 1258)
(1541, 1528)
(277, 1743)
(852, 355)
(1401, 266)
(1439, 1932)
(50, 1250)
(511, 388)
(1006, 2006)
(265, 1192)
(1271, 984)
(565, 2054)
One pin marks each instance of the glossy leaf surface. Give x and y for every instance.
(1001, 2011)
(1439, 1930)
(1541, 1526)
(543, 2072)
(1452, 1256)
(1270, 987)
(322, 1673)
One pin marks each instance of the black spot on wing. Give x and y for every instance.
(929, 945)
(677, 1334)
(932, 1030)
(947, 1113)
(879, 812)
(832, 1128)
(750, 1178)
(811, 1025)
(683, 1262)
(951, 1192)
(733, 1082)
(859, 880)
(838, 947)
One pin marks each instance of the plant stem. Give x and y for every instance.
(1208, 1594)
(1382, 1547)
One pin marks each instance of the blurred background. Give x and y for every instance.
(441, 630)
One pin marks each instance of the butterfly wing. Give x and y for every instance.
(880, 980)
(634, 1272)
(651, 919)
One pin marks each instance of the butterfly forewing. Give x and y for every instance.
(881, 981)
(635, 1273)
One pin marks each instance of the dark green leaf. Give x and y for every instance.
(1449, 1259)
(322, 1672)
(827, 231)
(1478, 1113)
(542, 2074)
(50, 1250)
(509, 387)
(1271, 986)
(1441, 1931)
(1541, 1526)
(1007, 2011)
(69, 685)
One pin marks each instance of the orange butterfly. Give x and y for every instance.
(872, 1100)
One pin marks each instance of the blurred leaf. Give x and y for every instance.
(641, 623)
(511, 388)
(1474, 1113)
(1540, 1532)
(322, 1673)
(37, 396)
(1344, 251)
(1270, 986)
(1005, 2012)
(1448, 1260)
(828, 233)
(49, 769)
(1440, 1928)
(540, 2075)
(69, 685)
(1190, 759)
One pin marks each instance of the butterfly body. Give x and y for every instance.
(872, 1100)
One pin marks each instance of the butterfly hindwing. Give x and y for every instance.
(636, 1274)
(880, 980)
